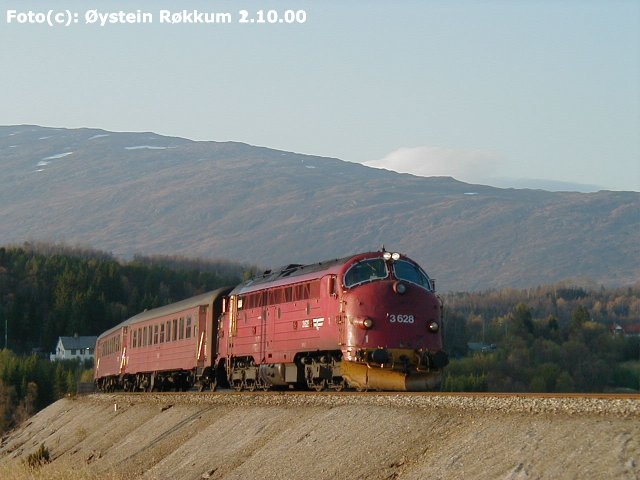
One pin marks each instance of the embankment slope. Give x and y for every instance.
(296, 436)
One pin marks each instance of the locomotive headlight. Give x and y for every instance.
(364, 323)
(395, 256)
(434, 327)
(386, 256)
(400, 288)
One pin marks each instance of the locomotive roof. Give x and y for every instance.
(202, 299)
(295, 273)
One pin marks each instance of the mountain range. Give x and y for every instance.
(130, 193)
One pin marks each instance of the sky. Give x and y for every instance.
(529, 93)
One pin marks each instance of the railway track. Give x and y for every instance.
(602, 396)
(468, 403)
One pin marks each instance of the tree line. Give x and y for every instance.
(29, 383)
(47, 291)
(556, 338)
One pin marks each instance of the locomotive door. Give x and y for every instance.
(342, 336)
(262, 342)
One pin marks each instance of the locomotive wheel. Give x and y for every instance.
(238, 386)
(339, 386)
(320, 385)
(250, 385)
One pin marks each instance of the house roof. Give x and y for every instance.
(78, 342)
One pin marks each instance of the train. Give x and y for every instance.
(369, 321)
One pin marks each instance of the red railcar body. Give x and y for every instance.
(368, 321)
(160, 348)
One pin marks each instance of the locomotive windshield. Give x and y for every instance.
(410, 272)
(366, 271)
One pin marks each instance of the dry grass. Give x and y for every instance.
(59, 470)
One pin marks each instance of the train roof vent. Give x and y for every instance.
(289, 269)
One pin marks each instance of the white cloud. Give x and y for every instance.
(473, 166)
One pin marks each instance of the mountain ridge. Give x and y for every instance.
(145, 193)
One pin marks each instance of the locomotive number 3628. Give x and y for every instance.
(401, 318)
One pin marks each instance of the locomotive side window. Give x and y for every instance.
(411, 273)
(366, 271)
(314, 289)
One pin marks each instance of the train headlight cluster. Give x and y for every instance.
(434, 327)
(391, 256)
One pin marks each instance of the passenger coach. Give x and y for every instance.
(169, 347)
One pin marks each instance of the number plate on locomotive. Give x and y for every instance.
(396, 318)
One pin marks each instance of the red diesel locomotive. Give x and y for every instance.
(368, 321)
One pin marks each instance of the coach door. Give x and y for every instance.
(123, 354)
(202, 331)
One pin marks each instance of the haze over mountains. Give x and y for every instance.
(145, 193)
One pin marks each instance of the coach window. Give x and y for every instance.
(155, 334)
(181, 328)
(162, 332)
(168, 330)
(188, 332)
(174, 331)
(134, 334)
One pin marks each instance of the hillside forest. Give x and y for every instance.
(554, 338)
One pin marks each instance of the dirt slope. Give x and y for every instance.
(292, 436)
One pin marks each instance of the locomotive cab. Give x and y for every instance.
(393, 325)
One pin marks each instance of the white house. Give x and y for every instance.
(69, 348)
